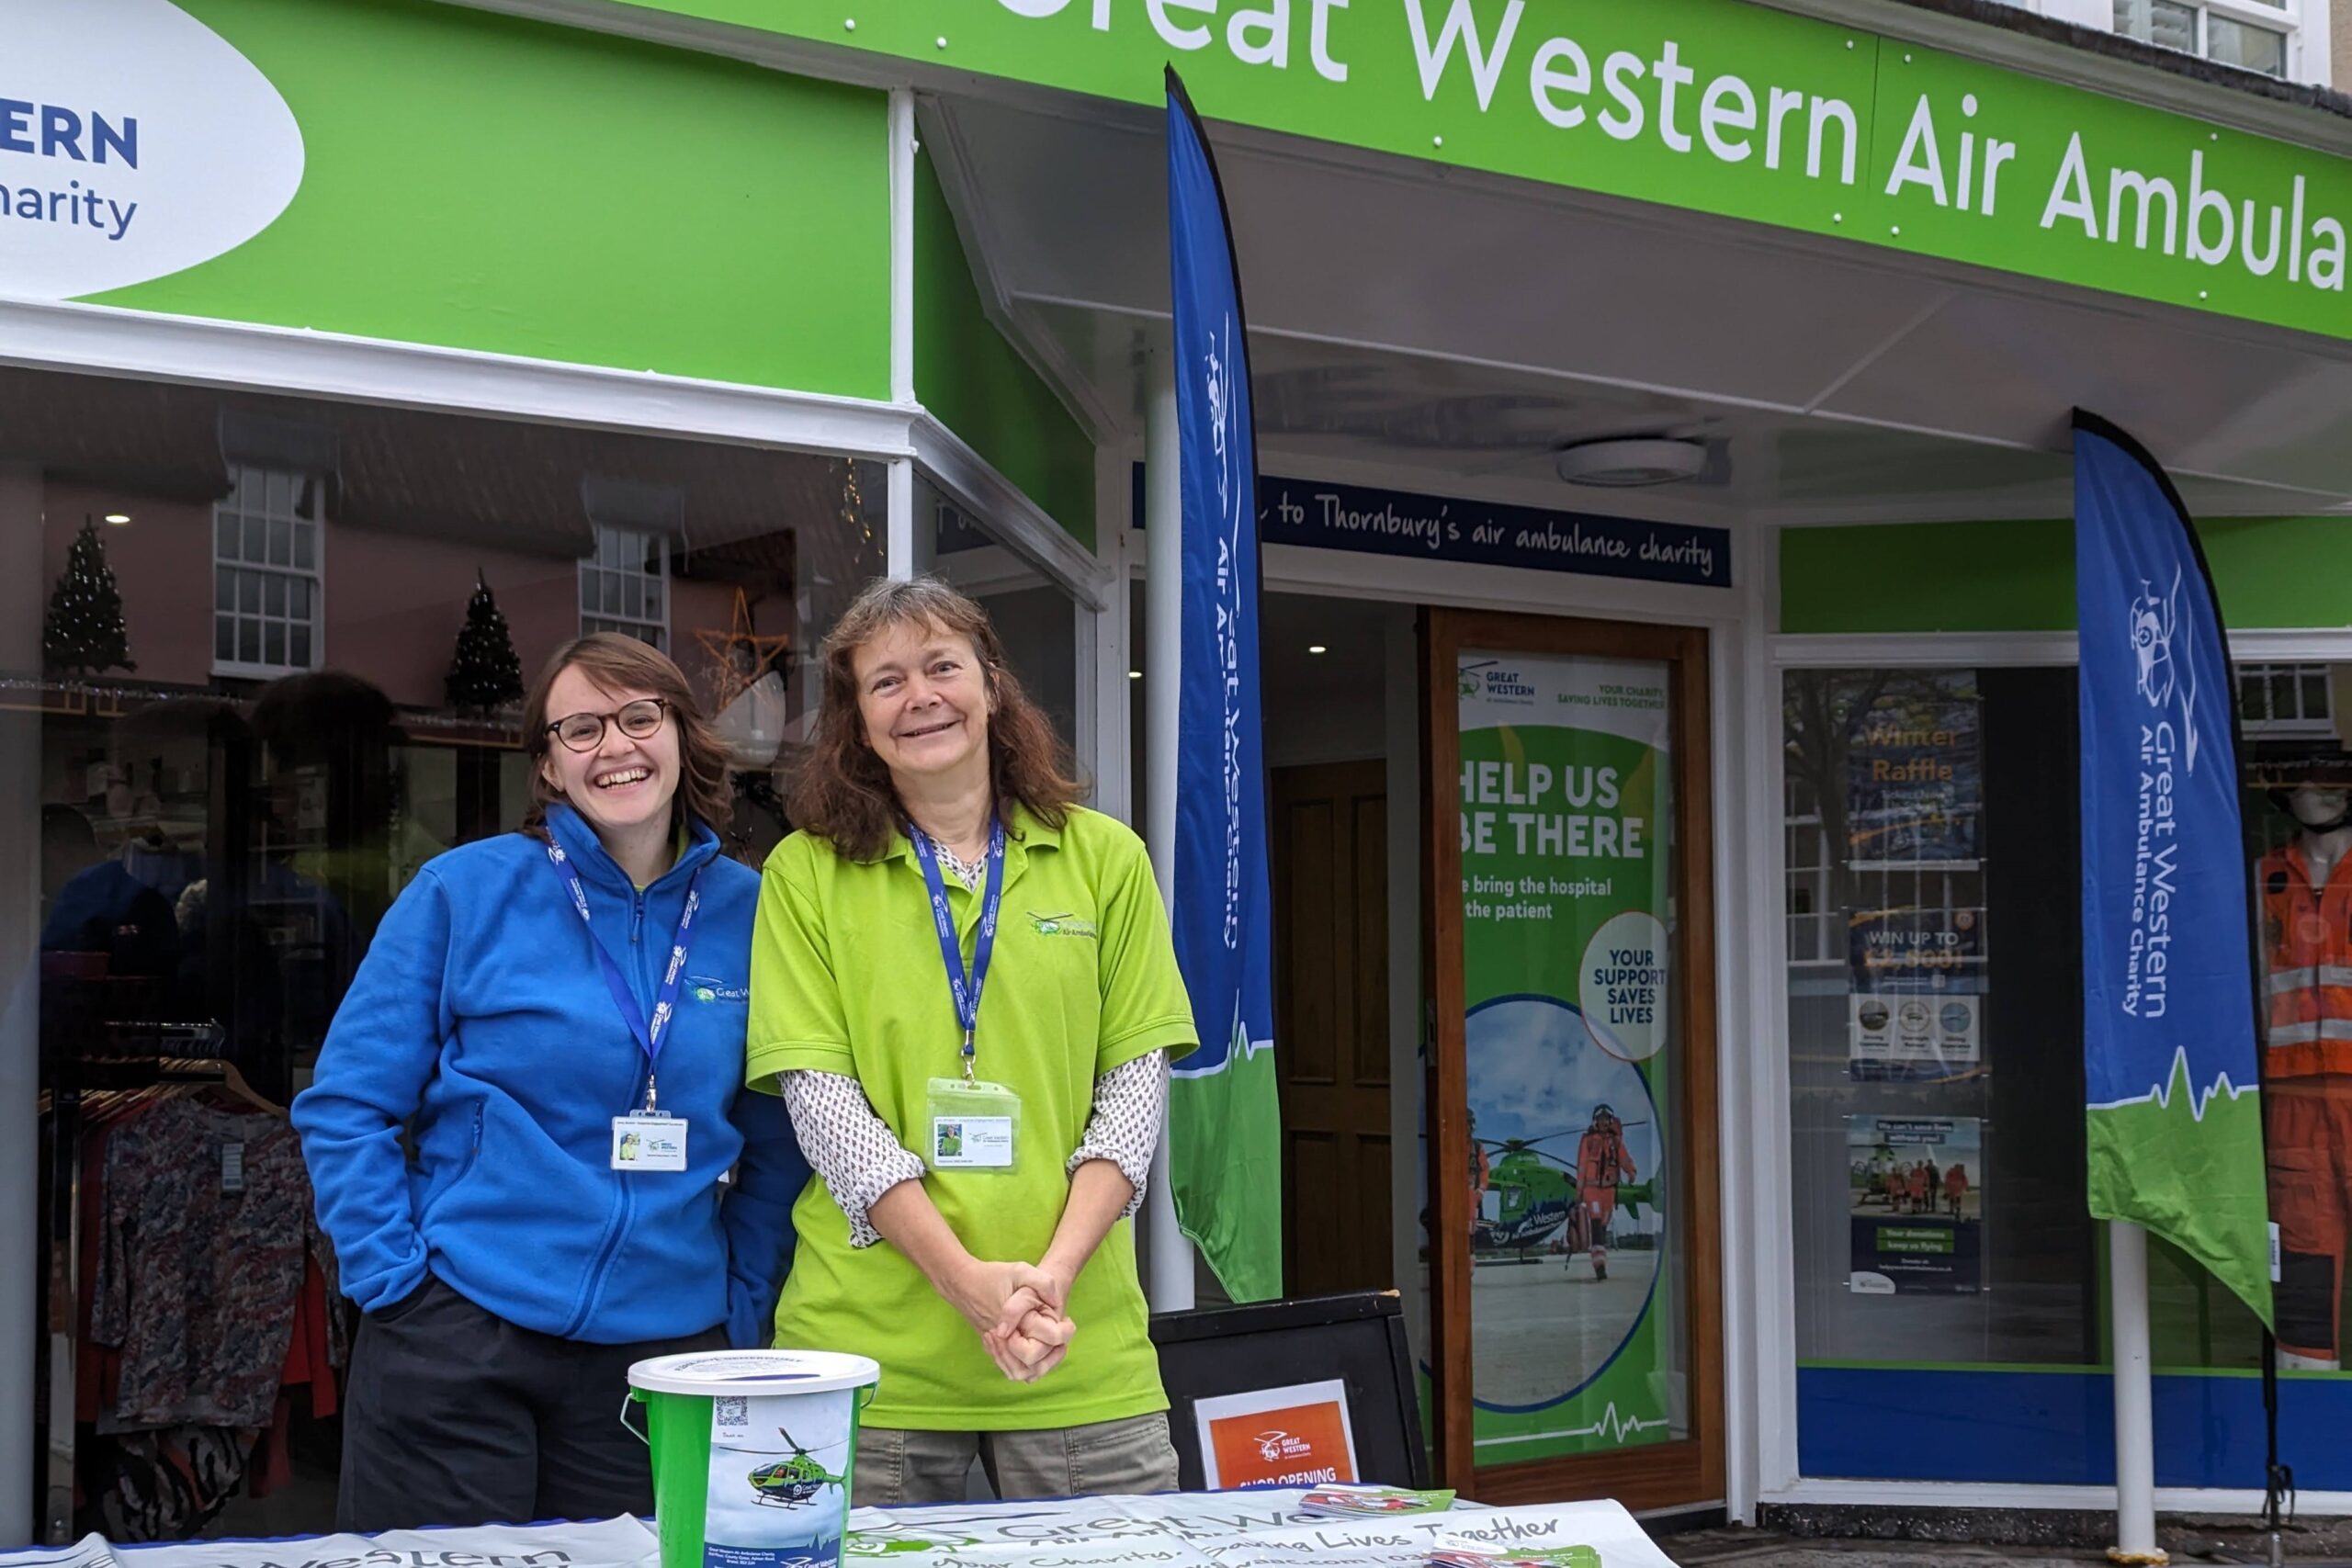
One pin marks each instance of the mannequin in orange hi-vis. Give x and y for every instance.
(1602, 1163)
(2306, 888)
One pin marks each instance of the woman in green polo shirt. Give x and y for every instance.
(963, 985)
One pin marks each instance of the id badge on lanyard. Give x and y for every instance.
(973, 1124)
(649, 1138)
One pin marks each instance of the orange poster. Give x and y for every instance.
(1297, 1435)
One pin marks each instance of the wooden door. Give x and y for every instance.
(1570, 920)
(1330, 844)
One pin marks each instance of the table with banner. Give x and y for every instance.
(1256, 1528)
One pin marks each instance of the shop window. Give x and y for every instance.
(624, 586)
(266, 573)
(1945, 1036)
(235, 743)
(1936, 1063)
(2249, 34)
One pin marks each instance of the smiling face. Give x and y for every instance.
(623, 783)
(923, 698)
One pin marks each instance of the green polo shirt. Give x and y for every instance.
(846, 977)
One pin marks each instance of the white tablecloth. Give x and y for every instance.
(1229, 1530)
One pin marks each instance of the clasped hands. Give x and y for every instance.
(1020, 1313)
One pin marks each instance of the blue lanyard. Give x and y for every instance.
(965, 991)
(646, 1032)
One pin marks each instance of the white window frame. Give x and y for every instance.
(2300, 722)
(594, 569)
(2286, 19)
(315, 575)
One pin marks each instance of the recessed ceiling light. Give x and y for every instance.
(1317, 648)
(1134, 674)
(1630, 463)
(117, 518)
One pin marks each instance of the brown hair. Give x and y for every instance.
(841, 792)
(620, 662)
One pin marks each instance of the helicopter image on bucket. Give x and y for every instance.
(791, 1482)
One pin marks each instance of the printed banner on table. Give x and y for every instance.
(1224, 1115)
(2168, 1043)
(1268, 1528)
(1298, 1436)
(1915, 1193)
(1565, 828)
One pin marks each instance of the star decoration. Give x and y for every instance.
(739, 655)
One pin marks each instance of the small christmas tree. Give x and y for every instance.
(485, 674)
(84, 631)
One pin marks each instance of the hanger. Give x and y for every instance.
(214, 1072)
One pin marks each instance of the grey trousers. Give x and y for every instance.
(905, 1468)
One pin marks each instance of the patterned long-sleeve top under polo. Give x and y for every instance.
(860, 1160)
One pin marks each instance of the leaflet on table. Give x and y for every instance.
(1916, 1204)
(1236, 1531)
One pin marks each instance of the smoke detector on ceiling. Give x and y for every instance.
(1629, 463)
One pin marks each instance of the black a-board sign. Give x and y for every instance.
(1357, 1339)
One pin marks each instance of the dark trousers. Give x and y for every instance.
(456, 1416)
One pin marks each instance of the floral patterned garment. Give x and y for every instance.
(205, 1224)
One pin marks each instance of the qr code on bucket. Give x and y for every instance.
(733, 1412)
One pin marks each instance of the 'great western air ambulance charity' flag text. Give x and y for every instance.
(2168, 1043)
(1225, 1129)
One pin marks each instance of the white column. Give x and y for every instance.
(2136, 1447)
(904, 559)
(1169, 1280)
(902, 245)
(21, 1230)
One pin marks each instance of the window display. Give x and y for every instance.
(268, 660)
(1945, 1265)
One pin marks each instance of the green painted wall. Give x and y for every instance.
(478, 181)
(968, 375)
(1720, 106)
(2019, 577)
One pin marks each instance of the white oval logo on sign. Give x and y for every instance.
(134, 142)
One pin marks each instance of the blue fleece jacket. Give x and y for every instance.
(481, 1012)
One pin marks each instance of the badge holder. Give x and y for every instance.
(649, 1139)
(975, 1125)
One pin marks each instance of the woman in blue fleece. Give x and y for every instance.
(570, 1096)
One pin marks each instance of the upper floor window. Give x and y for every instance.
(625, 586)
(267, 594)
(2248, 34)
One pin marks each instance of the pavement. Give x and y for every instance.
(2190, 1541)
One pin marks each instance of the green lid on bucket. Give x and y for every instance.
(755, 1372)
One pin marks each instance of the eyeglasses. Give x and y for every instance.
(639, 720)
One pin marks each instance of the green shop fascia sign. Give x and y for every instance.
(1709, 105)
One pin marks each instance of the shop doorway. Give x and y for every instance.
(1328, 709)
(1570, 1168)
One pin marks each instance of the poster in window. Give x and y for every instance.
(1914, 775)
(1916, 1198)
(1914, 1010)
